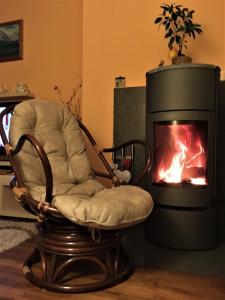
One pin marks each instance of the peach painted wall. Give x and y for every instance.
(119, 38)
(112, 37)
(52, 46)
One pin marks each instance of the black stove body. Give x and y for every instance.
(181, 127)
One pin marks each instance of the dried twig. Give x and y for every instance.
(74, 102)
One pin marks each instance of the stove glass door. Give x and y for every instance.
(180, 153)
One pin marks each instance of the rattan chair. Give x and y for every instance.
(77, 247)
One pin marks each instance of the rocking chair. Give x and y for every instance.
(78, 219)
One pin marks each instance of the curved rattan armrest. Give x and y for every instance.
(31, 205)
(111, 175)
(44, 160)
(148, 156)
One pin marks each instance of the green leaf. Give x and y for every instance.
(198, 30)
(197, 25)
(165, 7)
(171, 9)
(187, 25)
(182, 14)
(190, 14)
(157, 20)
(178, 39)
(168, 34)
(174, 16)
(171, 42)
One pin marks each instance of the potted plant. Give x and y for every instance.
(179, 26)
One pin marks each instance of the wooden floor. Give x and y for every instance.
(145, 283)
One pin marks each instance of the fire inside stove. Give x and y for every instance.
(180, 152)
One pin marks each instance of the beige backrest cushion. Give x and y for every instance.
(59, 133)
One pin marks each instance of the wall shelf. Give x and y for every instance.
(14, 97)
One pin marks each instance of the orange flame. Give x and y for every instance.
(187, 163)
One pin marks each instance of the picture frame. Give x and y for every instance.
(11, 40)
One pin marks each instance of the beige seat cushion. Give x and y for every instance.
(110, 208)
(76, 193)
(92, 205)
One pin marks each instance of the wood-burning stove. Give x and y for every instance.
(181, 124)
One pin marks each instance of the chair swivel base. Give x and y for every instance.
(68, 260)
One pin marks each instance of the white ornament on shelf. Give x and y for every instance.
(22, 88)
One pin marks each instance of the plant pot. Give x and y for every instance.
(181, 59)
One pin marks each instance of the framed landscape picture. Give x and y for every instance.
(11, 40)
